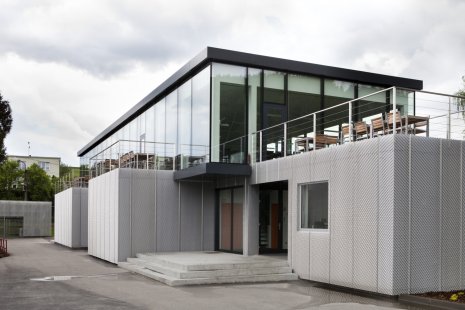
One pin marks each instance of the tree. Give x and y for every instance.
(6, 121)
(11, 181)
(38, 183)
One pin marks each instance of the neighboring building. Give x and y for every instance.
(51, 165)
(251, 154)
(25, 218)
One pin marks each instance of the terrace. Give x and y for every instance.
(389, 111)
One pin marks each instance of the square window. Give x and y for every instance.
(314, 205)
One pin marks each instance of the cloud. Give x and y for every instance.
(71, 68)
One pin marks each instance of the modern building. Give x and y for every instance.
(357, 176)
(51, 165)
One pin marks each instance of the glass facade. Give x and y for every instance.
(233, 114)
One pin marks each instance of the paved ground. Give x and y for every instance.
(95, 284)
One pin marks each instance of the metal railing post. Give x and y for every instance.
(394, 111)
(448, 120)
(350, 121)
(261, 146)
(314, 131)
(285, 139)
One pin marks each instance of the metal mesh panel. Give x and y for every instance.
(425, 216)
(451, 232)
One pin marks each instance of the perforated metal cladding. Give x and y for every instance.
(342, 201)
(425, 216)
(365, 216)
(450, 215)
(83, 192)
(400, 225)
(36, 215)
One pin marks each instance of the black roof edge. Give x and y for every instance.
(212, 54)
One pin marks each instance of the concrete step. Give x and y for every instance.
(172, 281)
(186, 274)
(239, 263)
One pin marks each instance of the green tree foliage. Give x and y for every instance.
(39, 184)
(461, 93)
(14, 183)
(6, 121)
(11, 181)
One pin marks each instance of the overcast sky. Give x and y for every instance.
(70, 68)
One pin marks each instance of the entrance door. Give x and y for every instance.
(273, 138)
(273, 218)
(230, 219)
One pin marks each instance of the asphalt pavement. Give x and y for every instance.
(42, 275)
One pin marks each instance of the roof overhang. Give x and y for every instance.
(211, 54)
(208, 170)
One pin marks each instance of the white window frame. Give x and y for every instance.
(299, 206)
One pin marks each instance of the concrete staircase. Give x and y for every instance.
(190, 268)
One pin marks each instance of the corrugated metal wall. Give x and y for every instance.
(396, 214)
(71, 217)
(133, 211)
(37, 216)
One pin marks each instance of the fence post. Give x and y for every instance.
(314, 131)
(350, 121)
(394, 110)
(285, 139)
(448, 120)
(261, 145)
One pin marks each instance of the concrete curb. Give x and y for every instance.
(431, 302)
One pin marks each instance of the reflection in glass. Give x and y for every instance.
(229, 108)
(201, 116)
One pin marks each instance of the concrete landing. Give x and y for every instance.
(191, 268)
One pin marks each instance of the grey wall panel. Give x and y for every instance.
(124, 215)
(208, 216)
(319, 257)
(37, 216)
(401, 211)
(84, 209)
(450, 209)
(341, 216)
(425, 216)
(251, 220)
(167, 212)
(386, 215)
(365, 215)
(191, 212)
(75, 219)
(462, 215)
(272, 170)
(302, 252)
(143, 211)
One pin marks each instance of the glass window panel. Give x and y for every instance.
(336, 92)
(171, 123)
(229, 110)
(314, 205)
(372, 106)
(254, 92)
(184, 123)
(150, 125)
(304, 98)
(201, 115)
(274, 87)
(238, 201)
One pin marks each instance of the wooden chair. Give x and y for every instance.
(378, 127)
(361, 130)
(345, 135)
(399, 123)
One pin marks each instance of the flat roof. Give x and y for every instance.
(32, 157)
(212, 54)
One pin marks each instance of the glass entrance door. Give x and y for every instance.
(230, 219)
(273, 219)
